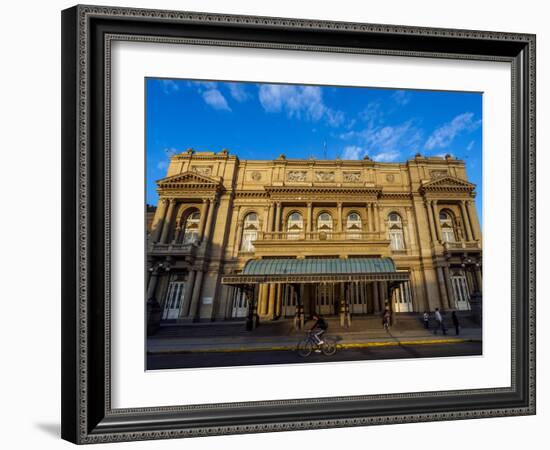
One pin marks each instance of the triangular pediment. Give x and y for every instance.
(451, 183)
(188, 178)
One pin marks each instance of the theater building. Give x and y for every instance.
(266, 240)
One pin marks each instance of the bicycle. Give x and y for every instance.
(306, 347)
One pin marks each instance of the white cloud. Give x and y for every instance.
(389, 156)
(202, 85)
(388, 142)
(162, 165)
(238, 92)
(470, 146)
(372, 113)
(444, 135)
(169, 86)
(216, 100)
(298, 101)
(352, 152)
(401, 97)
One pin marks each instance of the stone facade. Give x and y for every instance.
(216, 212)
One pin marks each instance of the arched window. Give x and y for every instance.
(294, 225)
(396, 232)
(250, 232)
(354, 226)
(324, 225)
(191, 228)
(447, 227)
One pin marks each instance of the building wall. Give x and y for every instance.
(226, 190)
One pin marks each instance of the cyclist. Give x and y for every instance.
(318, 328)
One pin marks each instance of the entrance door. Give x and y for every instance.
(240, 304)
(324, 298)
(402, 298)
(460, 291)
(289, 301)
(357, 298)
(173, 300)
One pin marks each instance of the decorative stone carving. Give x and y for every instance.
(352, 177)
(324, 176)
(390, 177)
(202, 170)
(438, 174)
(296, 175)
(256, 176)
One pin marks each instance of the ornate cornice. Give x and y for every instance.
(189, 183)
(447, 185)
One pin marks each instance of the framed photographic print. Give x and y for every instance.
(282, 224)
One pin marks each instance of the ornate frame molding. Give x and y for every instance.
(87, 416)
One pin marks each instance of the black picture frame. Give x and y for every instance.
(87, 415)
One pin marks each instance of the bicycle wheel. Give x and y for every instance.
(329, 347)
(305, 348)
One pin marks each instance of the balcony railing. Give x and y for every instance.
(321, 236)
(187, 248)
(462, 245)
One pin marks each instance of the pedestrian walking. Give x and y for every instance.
(386, 319)
(456, 323)
(426, 319)
(440, 323)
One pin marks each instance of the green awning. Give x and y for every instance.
(313, 270)
(318, 266)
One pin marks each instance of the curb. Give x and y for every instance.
(275, 348)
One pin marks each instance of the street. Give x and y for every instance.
(224, 359)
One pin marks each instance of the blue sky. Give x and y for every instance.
(261, 121)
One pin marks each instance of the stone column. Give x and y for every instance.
(269, 226)
(406, 236)
(271, 301)
(309, 217)
(447, 275)
(194, 309)
(479, 279)
(428, 205)
(442, 288)
(279, 300)
(376, 300)
(152, 284)
(209, 222)
(436, 220)
(263, 299)
(204, 212)
(340, 218)
(160, 217)
(466, 221)
(167, 221)
(472, 220)
(410, 227)
(278, 217)
(187, 294)
(369, 216)
(377, 218)
(264, 221)
(383, 294)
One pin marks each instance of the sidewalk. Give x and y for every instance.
(247, 343)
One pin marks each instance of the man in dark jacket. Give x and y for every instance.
(456, 323)
(318, 328)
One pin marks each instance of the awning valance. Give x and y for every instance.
(314, 270)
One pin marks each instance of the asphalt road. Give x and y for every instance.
(194, 360)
